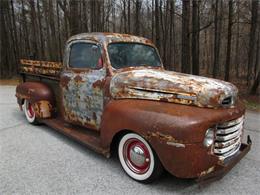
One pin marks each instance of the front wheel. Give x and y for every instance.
(138, 159)
(29, 112)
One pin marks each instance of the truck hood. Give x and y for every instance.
(169, 86)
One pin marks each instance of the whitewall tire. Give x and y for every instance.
(29, 112)
(138, 159)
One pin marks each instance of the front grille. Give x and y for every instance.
(228, 138)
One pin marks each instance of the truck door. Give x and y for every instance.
(81, 84)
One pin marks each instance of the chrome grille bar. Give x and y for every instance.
(228, 138)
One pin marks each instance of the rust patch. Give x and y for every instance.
(94, 116)
(64, 81)
(40, 67)
(43, 109)
(161, 137)
(98, 84)
(81, 99)
(108, 37)
(78, 79)
(169, 86)
(209, 170)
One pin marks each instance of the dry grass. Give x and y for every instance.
(9, 81)
(251, 102)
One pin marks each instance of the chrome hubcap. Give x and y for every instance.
(136, 156)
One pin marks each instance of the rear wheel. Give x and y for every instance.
(138, 159)
(29, 112)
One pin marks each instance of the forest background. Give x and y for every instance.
(214, 38)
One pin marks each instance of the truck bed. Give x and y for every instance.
(45, 69)
(44, 72)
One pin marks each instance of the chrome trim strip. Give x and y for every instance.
(232, 152)
(231, 129)
(231, 123)
(229, 136)
(178, 145)
(226, 149)
(227, 143)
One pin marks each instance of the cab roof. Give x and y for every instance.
(106, 37)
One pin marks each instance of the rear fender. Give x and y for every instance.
(39, 95)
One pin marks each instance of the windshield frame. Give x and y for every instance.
(135, 42)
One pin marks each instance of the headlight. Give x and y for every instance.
(209, 138)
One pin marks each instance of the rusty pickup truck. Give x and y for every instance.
(112, 91)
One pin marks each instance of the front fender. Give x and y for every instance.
(39, 95)
(175, 131)
(169, 121)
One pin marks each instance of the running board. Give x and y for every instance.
(85, 136)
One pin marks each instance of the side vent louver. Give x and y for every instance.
(227, 101)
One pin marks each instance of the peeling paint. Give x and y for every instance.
(40, 67)
(83, 96)
(162, 137)
(211, 169)
(162, 85)
(43, 109)
(106, 38)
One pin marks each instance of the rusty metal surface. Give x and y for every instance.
(40, 96)
(221, 169)
(164, 122)
(89, 138)
(40, 67)
(171, 86)
(82, 96)
(106, 38)
(43, 109)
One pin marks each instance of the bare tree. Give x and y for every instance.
(175, 27)
(185, 59)
(138, 5)
(229, 39)
(195, 37)
(252, 40)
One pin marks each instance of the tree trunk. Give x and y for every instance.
(230, 22)
(255, 84)
(73, 20)
(171, 53)
(40, 31)
(137, 16)
(85, 16)
(185, 58)
(157, 25)
(59, 30)
(129, 16)
(15, 37)
(54, 47)
(237, 53)
(124, 16)
(252, 40)
(26, 36)
(195, 38)
(216, 43)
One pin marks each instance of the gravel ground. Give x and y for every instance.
(37, 160)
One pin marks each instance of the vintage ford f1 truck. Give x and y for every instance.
(112, 91)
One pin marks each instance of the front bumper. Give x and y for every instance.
(223, 168)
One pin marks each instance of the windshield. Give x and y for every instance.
(124, 55)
